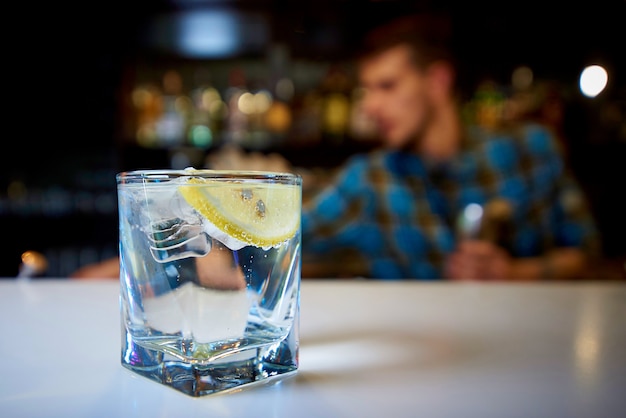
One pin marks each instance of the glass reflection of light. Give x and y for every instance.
(587, 342)
(351, 356)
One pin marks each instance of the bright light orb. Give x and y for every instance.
(593, 79)
(473, 212)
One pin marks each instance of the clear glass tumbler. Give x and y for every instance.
(210, 276)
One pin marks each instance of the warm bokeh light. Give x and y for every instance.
(210, 96)
(254, 103)
(336, 113)
(183, 105)
(278, 117)
(172, 82)
(218, 110)
(245, 104)
(262, 101)
(593, 80)
(522, 78)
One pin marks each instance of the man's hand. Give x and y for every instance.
(479, 260)
(483, 260)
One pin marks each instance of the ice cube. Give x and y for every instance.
(208, 314)
(175, 239)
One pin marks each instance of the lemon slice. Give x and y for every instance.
(238, 214)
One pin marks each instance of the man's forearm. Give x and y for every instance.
(560, 264)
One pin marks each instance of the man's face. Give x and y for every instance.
(396, 96)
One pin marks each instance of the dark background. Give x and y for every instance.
(67, 67)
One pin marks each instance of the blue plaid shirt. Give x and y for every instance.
(398, 214)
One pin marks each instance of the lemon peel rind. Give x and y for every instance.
(230, 234)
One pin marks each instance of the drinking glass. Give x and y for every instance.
(210, 277)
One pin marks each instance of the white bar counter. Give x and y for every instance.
(367, 349)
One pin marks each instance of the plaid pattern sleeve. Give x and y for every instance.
(377, 208)
(524, 168)
(556, 210)
(338, 217)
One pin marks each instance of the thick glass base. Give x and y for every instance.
(242, 369)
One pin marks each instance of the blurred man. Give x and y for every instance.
(441, 199)
(399, 211)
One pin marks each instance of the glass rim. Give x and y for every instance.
(207, 173)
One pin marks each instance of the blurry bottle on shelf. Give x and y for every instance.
(307, 119)
(336, 116)
(487, 105)
(255, 104)
(255, 114)
(336, 103)
(236, 124)
(171, 126)
(278, 118)
(147, 101)
(209, 112)
(523, 94)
